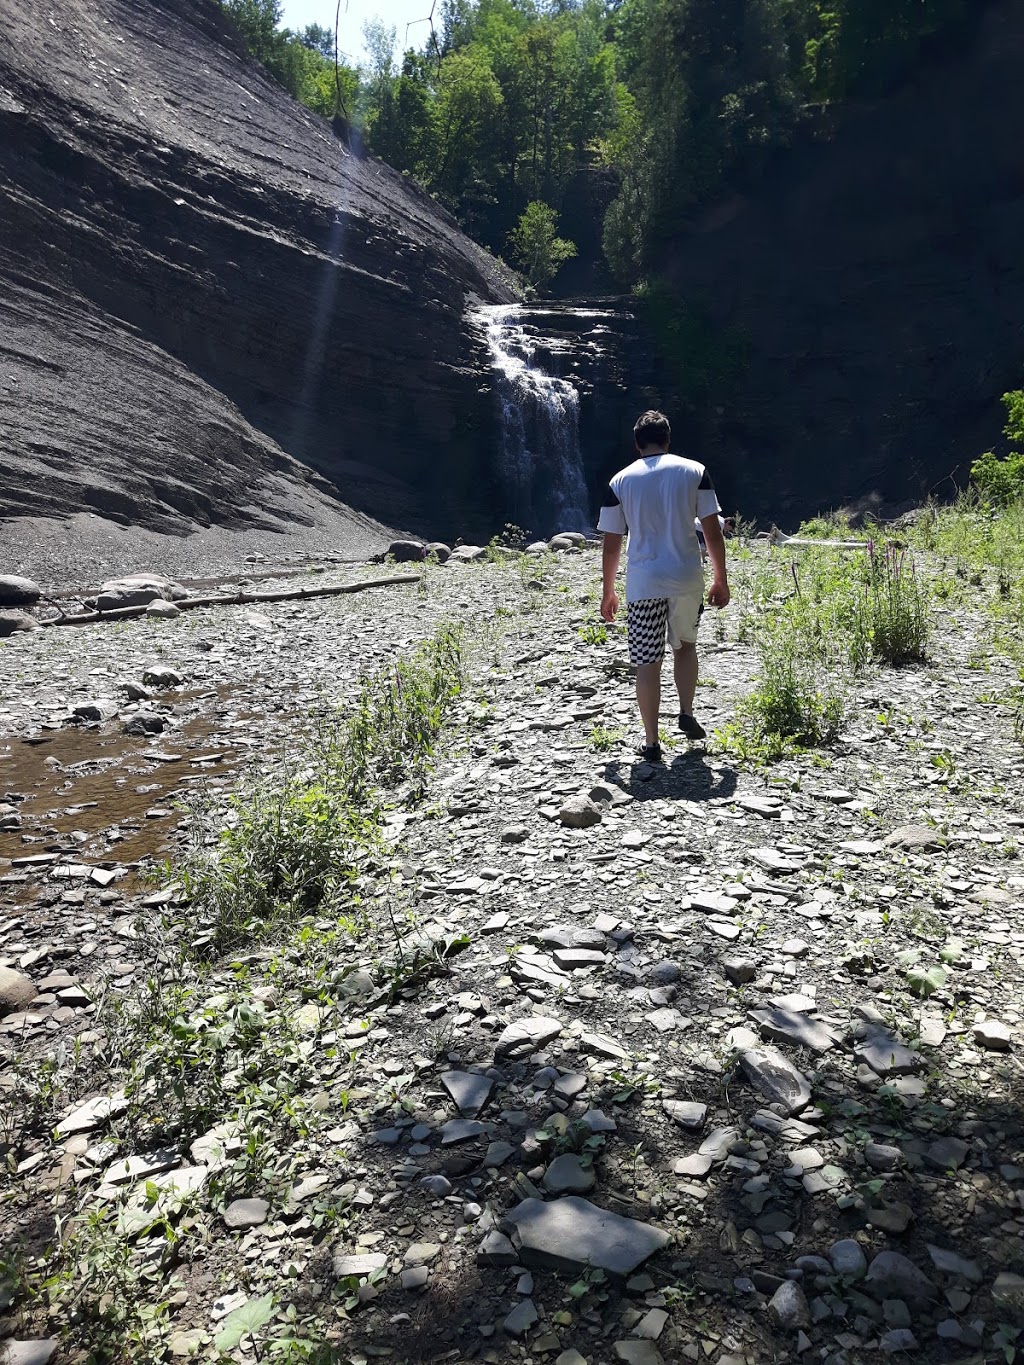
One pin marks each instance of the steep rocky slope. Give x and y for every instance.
(874, 289)
(204, 289)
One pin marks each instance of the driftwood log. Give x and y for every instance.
(233, 599)
(777, 537)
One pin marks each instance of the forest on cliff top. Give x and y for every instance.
(611, 121)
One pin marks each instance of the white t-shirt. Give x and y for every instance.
(656, 500)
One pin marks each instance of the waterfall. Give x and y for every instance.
(541, 464)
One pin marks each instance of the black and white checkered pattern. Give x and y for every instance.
(646, 623)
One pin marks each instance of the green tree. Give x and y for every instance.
(257, 21)
(536, 246)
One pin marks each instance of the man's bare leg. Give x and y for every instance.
(685, 667)
(648, 697)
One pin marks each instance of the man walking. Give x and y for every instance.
(657, 500)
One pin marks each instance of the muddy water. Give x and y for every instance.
(104, 796)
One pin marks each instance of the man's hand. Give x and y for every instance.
(718, 593)
(609, 606)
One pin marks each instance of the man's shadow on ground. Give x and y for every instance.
(688, 777)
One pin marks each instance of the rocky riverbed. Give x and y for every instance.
(713, 1063)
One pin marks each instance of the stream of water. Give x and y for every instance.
(541, 461)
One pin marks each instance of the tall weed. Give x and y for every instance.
(895, 609)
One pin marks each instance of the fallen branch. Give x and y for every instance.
(234, 599)
(777, 537)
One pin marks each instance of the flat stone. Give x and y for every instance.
(460, 1130)
(526, 1036)
(39, 1352)
(638, 1353)
(914, 838)
(993, 1036)
(92, 1114)
(469, 1090)
(498, 1153)
(571, 1357)
(571, 1084)
(696, 1166)
(881, 1157)
(603, 1046)
(898, 1339)
(687, 1113)
(717, 1143)
(947, 1153)
(886, 1056)
(571, 1234)
(783, 1025)
(497, 1250)
(414, 1278)
(776, 1078)
(521, 1319)
(246, 1213)
(579, 812)
(950, 1263)
(893, 1218)
(651, 1325)
(724, 928)
(577, 959)
(598, 1121)
(572, 936)
(568, 1175)
(369, 1263)
(421, 1253)
(893, 1276)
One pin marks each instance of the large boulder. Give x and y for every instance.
(406, 551)
(18, 592)
(16, 991)
(13, 621)
(138, 590)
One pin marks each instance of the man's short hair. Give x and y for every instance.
(652, 429)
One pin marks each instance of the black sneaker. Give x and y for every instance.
(691, 727)
(650, 753)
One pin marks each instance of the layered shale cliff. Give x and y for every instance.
(208, 302)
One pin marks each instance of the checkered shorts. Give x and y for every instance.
(648, 622)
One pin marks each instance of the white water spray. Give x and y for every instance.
(541, 461)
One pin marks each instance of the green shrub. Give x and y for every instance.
(795, 702)
(1000, 481)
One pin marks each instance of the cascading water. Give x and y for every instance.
(541, 462)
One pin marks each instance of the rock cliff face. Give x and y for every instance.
(208, 298)
(874, 292)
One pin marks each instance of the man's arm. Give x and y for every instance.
(611, 554)
(718, 593)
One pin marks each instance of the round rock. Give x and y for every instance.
(246, 1213)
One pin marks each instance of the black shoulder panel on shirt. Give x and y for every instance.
(706, 483)
(610, 498)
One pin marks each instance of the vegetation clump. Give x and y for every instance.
(298, 846)
(509, 104)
